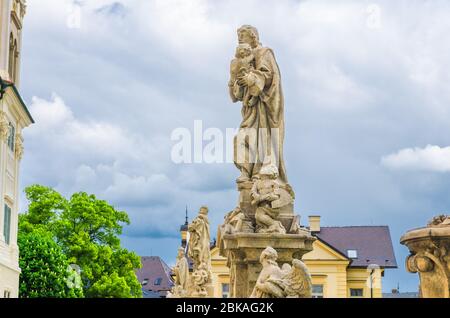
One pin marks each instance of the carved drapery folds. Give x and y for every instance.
(198, 283)
(200, 253)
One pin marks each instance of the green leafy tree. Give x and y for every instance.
(88, 230)
(45, 269)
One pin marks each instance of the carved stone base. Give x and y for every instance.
(430, 257)
(243, 251)
(209, 292)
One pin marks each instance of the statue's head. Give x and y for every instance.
(243, 50)
(181, 252)
(248, 34)
(269, 170)
(204, 210)
(269, 255)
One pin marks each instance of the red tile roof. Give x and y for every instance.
(154, 269)
(373, 244)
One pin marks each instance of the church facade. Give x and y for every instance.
(14, 117)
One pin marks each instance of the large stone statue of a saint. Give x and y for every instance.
(181, 271)
(255, 80)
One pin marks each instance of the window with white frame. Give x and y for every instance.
(353, 254)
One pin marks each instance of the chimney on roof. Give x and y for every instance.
(314, 223)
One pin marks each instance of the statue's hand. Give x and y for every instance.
(246, 79)
(273, 197)
(242, 81)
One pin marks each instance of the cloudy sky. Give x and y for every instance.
(367, 97)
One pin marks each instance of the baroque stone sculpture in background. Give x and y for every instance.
(430, 256)
(181, 271)
(200, 253)
(288, 282)
(198, 283)
(199, 239)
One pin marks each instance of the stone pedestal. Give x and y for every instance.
(243, 251)
(430, 257)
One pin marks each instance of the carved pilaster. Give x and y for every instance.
(18, 148)
(4, 126)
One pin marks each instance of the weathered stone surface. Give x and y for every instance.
(198, 283)
(430, 256)
(243, 251)
(181, 271)
(286, 282)
(264, 215)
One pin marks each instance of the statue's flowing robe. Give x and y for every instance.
(266, 118)
(182, 272)
(199, 242)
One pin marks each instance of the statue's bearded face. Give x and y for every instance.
(246, 37)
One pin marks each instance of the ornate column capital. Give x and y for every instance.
(430, 258)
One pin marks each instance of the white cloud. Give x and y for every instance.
(56, 124)
(430, 158)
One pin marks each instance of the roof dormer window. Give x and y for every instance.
(353, 254)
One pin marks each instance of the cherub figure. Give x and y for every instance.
(241, 65)
(266, 195)
(289, 282)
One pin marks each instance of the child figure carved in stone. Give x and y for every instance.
(265, 194)
(241, 65)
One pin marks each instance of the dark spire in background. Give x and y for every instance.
(184, 229)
